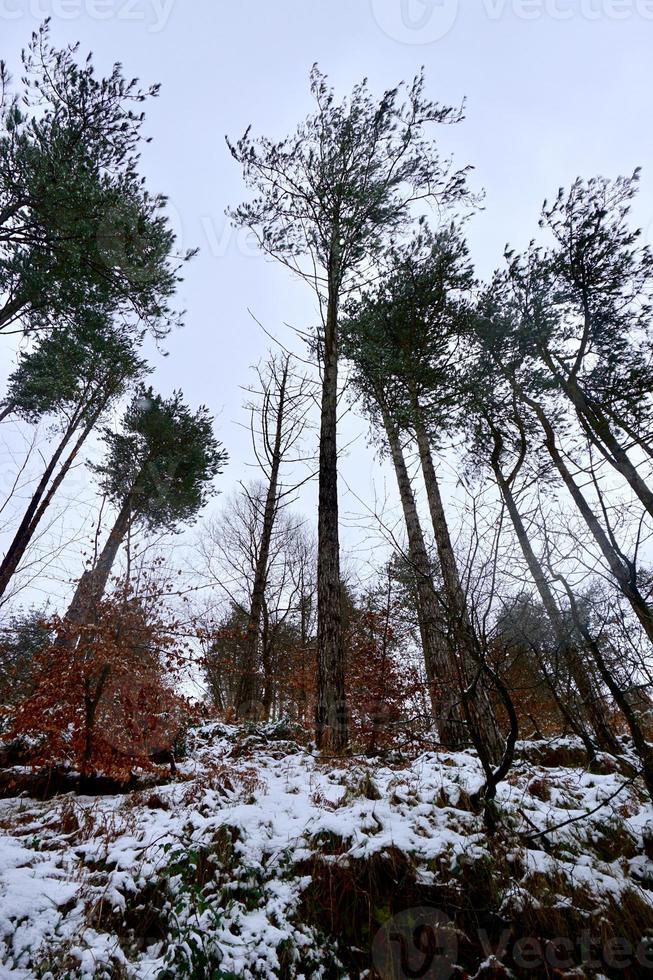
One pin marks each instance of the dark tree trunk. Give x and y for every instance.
(27, 526)
(440, 671)
(494, 776)
(247, 696)
(623, 570)
(331, 721)
(63, 471)
(92, 699)
(44, 494)
(10, 310)
(573, 721)
(470, 657)
(267, 644)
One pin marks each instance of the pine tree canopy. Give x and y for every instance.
(69, 368)
(401, 335)
(78, 228)
(162, 461)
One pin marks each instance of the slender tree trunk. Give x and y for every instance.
(591, 701)
(496, 775)
(643, 747)
(246, 697)
(26, 528)
(469, 655)
(331, 721)
(304, 639)
(63, 472)
(44, 494)
(599, 431)
(92, 585)
(574, 722)
(440, 671)
(584, 684)
(622, 570)
(267, 643)
(92, 699)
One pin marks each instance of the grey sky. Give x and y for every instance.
(554, 89)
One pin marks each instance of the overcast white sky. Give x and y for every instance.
(554, 89)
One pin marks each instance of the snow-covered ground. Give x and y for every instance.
(219, 866)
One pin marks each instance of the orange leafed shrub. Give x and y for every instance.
(104, 696)
(381, 680)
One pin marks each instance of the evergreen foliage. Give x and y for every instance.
(72, 367)
(78, 227)
(162, 461)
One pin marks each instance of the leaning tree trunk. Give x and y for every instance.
(599, 432)
(246, 698)
(481, 717)
(440, 671)
(622, 569)
(27, 526)
(11, 309)
(45, 491)
(92, 585)
(573, 719)
(331, 722)
(643, 747)
(571, 656)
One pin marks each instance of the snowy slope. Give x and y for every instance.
(216, 867)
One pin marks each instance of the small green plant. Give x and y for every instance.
(194, 919)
